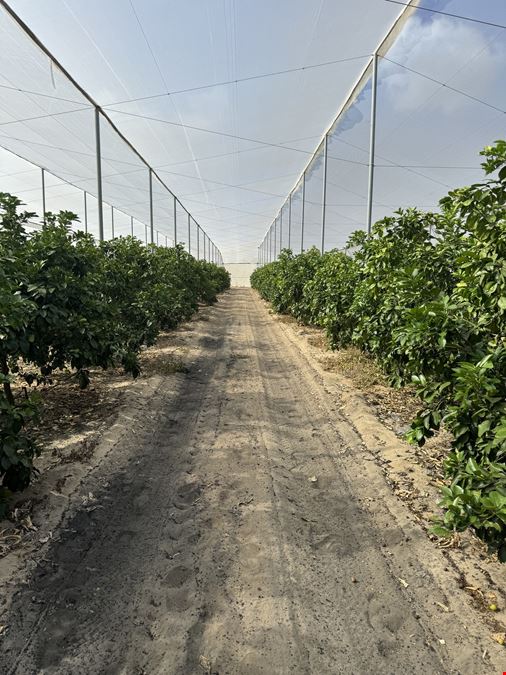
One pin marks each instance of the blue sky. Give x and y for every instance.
(121, 50)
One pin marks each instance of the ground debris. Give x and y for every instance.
(500, 638)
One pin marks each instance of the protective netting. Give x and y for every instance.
(49, 142)
(440, 98)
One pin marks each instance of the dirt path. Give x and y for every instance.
(231, 535)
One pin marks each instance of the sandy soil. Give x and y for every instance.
(238, 518)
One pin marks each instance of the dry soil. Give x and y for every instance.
(239, 524)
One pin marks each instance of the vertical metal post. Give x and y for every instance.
(43, 175)
(151, 214)
(372, 141)
(324, 196)
(175, 222)
(281, 229)
(85, 212)
(165, 241)
(189, 235)
(275, 238)
(290, 220)
(132, 225)
(146, 234)
(112, 222)
(302, 216)
(198, 242)
(99, 176)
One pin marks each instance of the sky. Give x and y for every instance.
(204, 144)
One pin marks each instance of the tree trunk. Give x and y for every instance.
(7, 386)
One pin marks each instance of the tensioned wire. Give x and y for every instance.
(187, 138)
(28, 33)
(455, 16)
(276, 145)
(258, 141)
(412, 168)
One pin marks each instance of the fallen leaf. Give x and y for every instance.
(312, 479)
(205, 664)
(500, 638)
(26, 522)
(403, 582)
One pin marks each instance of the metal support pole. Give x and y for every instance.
(99, 176)
(43, 174)
(175, 222)
(290, 221)
(146, 234)
(275, 238)
(132, 225)
(189, 235)
(198, 242)
(151, 214)
(372, 141)
(157, 237)
(324, 196)
(85, 212)
(281, 230)
(112, 222)
(165, 241)
(302, 217)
